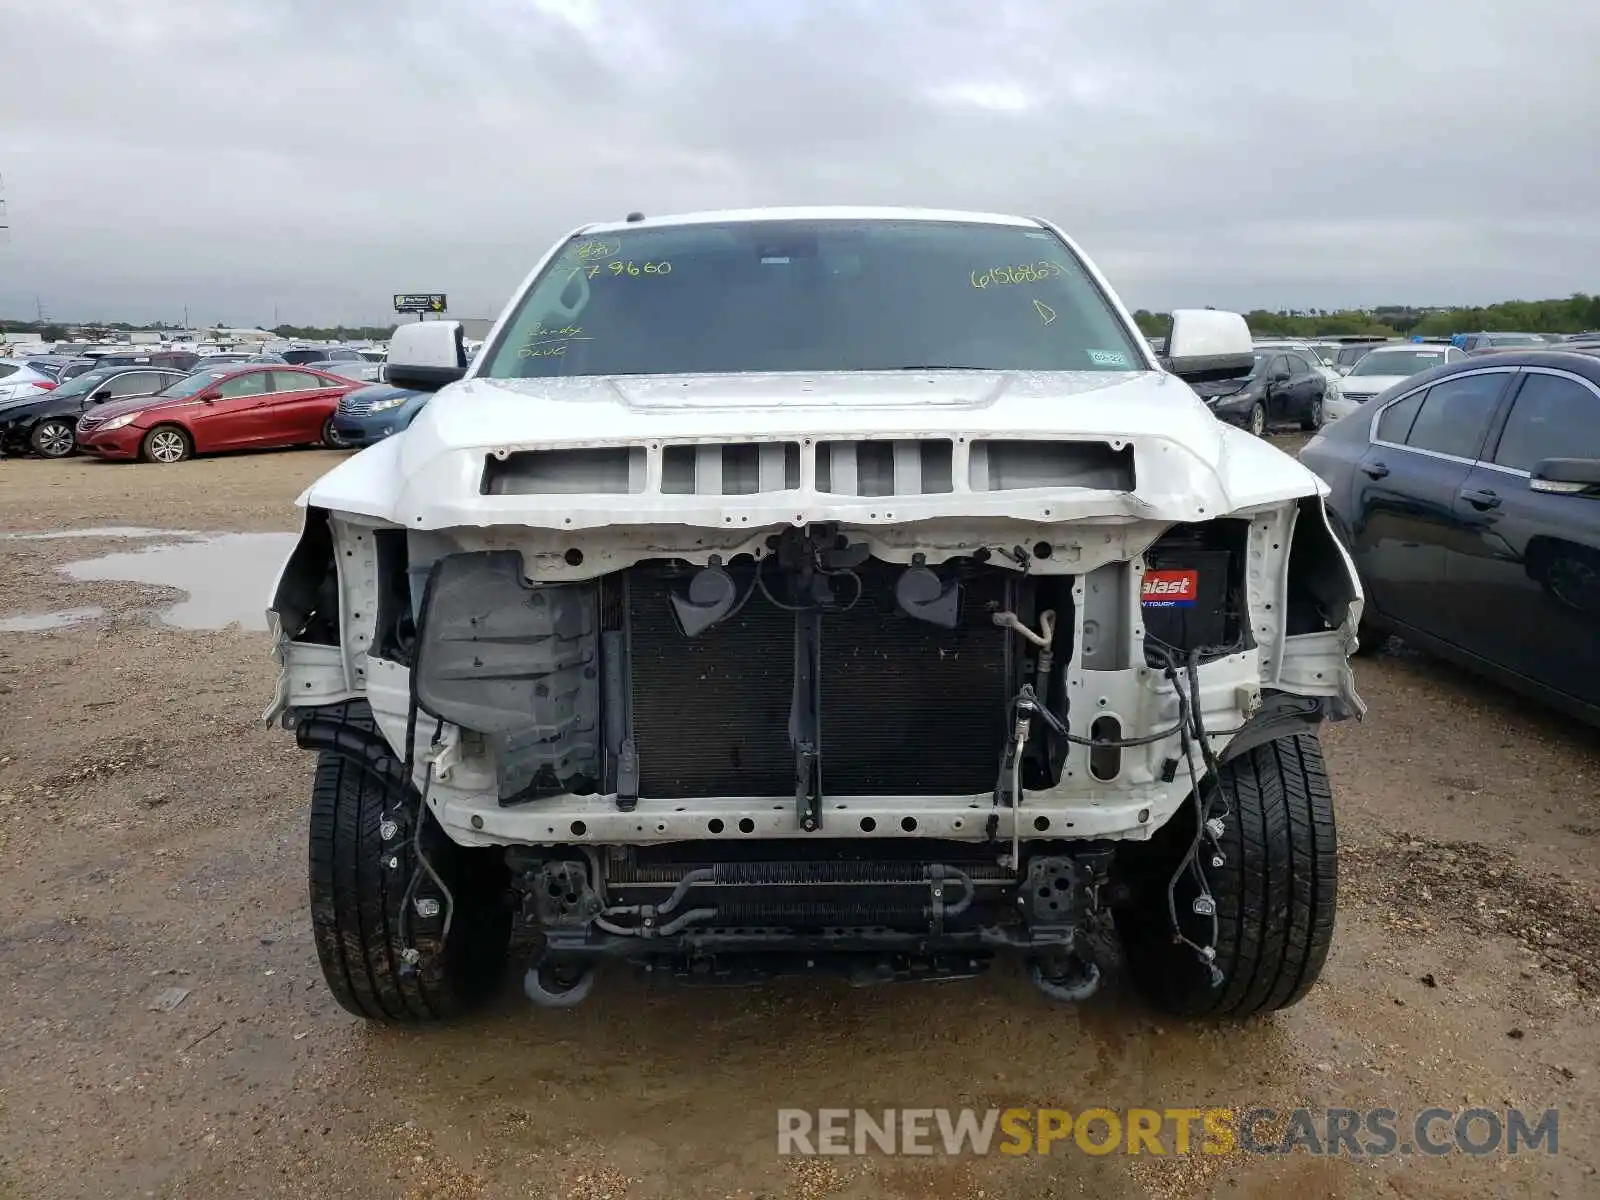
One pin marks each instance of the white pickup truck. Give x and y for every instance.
(808, 589)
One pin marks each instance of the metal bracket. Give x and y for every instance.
(807, 788)
(445, 752)
(628, 776)
(560, 894)
(805, 719)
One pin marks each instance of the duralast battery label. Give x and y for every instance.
(1169, 589)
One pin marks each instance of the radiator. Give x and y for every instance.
(906, 707)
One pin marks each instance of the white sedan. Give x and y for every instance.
(18, 380)
(1384, 366)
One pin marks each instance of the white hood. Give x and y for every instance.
(1189, 466)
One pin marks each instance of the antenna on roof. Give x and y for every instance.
(635, 216)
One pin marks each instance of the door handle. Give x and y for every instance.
(1481, 499)
(1375, 470)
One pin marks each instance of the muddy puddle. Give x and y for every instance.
(226, 577)
(39, 622)
(99, 531)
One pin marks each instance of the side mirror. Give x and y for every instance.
(1205, 344)
(1567, 476)
(101, 396)
(1280, 377)
(427, 355)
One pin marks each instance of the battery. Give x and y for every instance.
(1184, 597)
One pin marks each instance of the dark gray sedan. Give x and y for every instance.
(1469, 497)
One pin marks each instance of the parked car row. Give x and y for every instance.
(44, 423)
(164, 415)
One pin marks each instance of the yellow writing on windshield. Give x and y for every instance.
(620, 269)
(595, 250)
(632, 268)
(544, 342)
(1033, 272)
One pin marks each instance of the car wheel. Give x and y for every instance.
(1313, 419)
(361, 880)
(1258, 419)
(52, 439)
(1274, 894)
(166, 444)
(330, 436)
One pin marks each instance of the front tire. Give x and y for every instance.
(356, 898)
(166, 444)
(1258, 419)
(1275, 894)
(1314, 418)
(330, 436)
(52, 439)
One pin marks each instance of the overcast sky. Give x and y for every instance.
(308, 158)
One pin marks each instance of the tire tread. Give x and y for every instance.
(1276, 893)
(356, 898)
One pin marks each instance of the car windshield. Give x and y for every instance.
(822, 295)
(82, 385)
(1513, 339)
(1352, 354)
(1398, 362)
(189, 385)
(358, 370)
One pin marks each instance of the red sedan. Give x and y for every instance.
(237, 407)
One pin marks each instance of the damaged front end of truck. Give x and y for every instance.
(862, 693)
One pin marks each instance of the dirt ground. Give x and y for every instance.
(152, 837)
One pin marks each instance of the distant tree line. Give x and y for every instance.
(55, 331)
(1577, 313)
(338, 333)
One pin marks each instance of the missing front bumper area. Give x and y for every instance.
(806, 672)
(868, 919)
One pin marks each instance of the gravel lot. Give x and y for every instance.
(152, 837)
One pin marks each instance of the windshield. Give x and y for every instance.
(1353, 354)
(1513, 339)
(825, 295)
(82, 385)
(1399, 362)
(189, 385)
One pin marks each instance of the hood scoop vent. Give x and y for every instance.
(603, 471)
(1003, 466)
(730, 469)
(860, 468)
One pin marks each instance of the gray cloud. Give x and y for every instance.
(246, 157)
